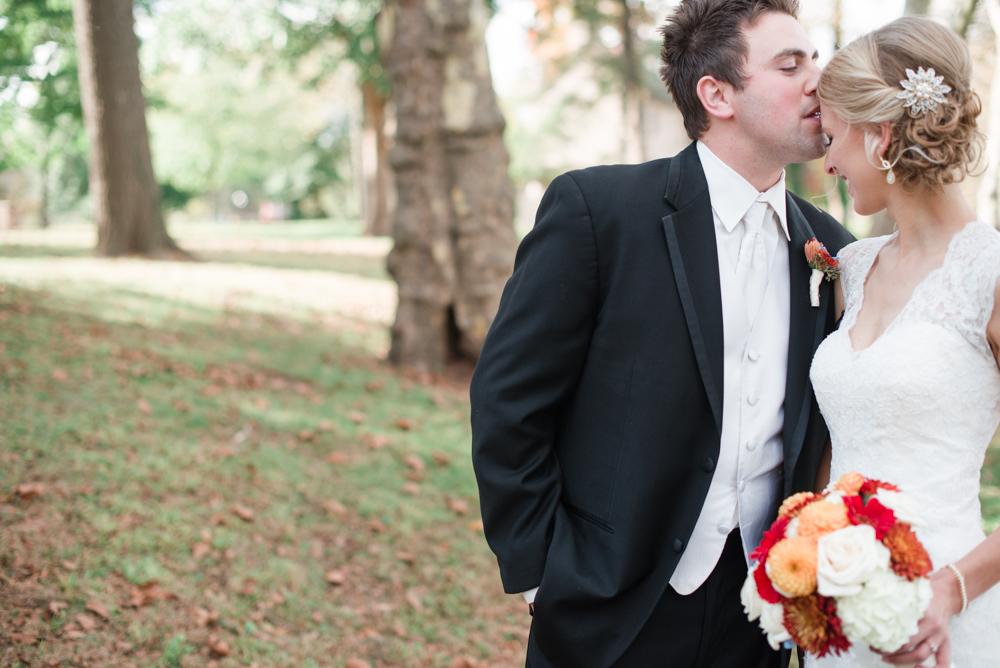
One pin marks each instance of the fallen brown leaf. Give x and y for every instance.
(440, 458)
(249, 587)
(399, 630)
(68, 565)
(243, 512)
(204, 617)
(317, 617)
(411, 488)
(476, 525)
(56, 606)
(60, 375)
(336, 507)
(123, 647)
(148, 593)
(199, 550)
(73, 634)
(144, 406)
(29, 490)
(338, 458)
(357, 663)
(336, 577)
(86, 622)
(458, 506)
(307, 435)
(463, 662)
(375, 385)
(219, 647)
(325, 425)
(181, 406)
(356, 417)
(417, 467)
(376, 526)
(98, 608)
(376, 441)
(261, 403)
(404, 423)
(413, 598)
(26, 638)
(407, 557)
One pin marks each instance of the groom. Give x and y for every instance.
(642, 402)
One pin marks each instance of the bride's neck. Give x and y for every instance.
(928, 219)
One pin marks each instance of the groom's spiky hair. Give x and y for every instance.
(706, 38)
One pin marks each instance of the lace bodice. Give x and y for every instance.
(919, 407)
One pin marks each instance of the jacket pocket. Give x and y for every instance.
(589, 517)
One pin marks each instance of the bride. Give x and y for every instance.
(909, 384)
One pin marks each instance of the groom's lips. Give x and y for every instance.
(813, 114)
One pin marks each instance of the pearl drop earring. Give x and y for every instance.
(890, 177)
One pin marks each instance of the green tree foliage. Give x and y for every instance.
(41, 126)
(232, 111)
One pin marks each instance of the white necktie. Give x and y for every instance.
(751, 267)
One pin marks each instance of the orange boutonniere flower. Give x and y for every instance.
(823, 265)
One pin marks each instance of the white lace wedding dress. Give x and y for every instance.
(918, 409)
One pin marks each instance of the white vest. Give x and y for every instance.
(747, 483)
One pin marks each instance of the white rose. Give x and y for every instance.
(846, 558)
(750, 597)
(886, 612)
(772, 620)
(836, 497)
(901, 506)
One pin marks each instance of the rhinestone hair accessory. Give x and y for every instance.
(923, 91)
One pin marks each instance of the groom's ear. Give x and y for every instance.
(716, 96)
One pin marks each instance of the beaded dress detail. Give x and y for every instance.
(918, 408)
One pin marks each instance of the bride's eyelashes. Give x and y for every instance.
(827, 140)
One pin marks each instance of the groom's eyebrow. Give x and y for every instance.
(797, 53)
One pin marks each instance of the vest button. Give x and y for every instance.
(751, 445)
(743, 485)
(723, 529)
(753, 355)
(678, 545)
(752, 400)
(708, 464)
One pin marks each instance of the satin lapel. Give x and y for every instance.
(805, 335)
(690, 234)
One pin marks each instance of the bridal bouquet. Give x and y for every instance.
(840, 567)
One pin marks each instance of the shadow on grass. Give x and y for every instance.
(296, 501)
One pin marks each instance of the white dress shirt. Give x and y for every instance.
(746, 485)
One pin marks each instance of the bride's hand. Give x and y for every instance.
(932, 632)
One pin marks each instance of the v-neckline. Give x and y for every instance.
(916, 288)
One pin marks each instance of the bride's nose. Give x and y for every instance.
(828, 165)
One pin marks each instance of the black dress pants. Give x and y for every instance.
(706, 629)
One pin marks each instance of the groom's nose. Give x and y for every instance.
(812, 77)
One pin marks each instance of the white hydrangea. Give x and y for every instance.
(886, 612)
(750, 597)
(772, 620)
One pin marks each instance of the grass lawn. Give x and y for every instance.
(197, 475)
(208, 464)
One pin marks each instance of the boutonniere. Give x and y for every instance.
(823, 265)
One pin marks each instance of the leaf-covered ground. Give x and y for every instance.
(192, 481)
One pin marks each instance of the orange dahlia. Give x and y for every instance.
(814, 626)
(819, 519)
(909, 558)
(791, 565)
(791, 506)
(850, 483)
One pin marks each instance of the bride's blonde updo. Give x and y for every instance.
(861, 83)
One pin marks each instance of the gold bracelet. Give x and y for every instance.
(961, 585)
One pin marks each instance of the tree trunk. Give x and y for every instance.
(453, 231)
(379, 200)
(916, 7)
(126, 197)
(966, 16)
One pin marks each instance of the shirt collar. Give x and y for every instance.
(732, 195)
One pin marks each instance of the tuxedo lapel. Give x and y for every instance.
(805, 335)
(690, 235)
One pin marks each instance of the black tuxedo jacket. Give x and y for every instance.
(597, 399)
